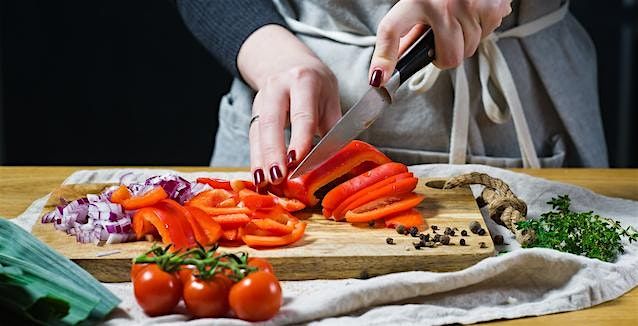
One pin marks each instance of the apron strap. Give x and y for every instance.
(492, 65)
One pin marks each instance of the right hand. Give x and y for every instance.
(292, 85)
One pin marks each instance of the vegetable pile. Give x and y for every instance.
(210, 283)
(580, 233)
(182, 214)
(39, 286)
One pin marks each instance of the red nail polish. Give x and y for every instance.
(259, 178)
(275, 174)
(375, 79)
(292, 157)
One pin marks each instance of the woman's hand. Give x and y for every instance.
(292, 85)
(458, 26)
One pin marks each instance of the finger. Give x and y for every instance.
(467, 15)
(448, 39)
(256, 163)
(272, 117)
(395, 24)
(491, 15)
(406, 41)
(304, 106)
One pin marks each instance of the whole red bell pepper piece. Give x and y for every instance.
(342, 162)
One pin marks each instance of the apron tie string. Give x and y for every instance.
(492, 65)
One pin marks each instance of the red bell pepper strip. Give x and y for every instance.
(273, 226)
(231, 221)
(289, 204)
(339, 193)
(142, 225)
(349, 157)
(340, 211)
(397, 187)
(272, 241)
(254, 202)
(150, 198)
(214, 211)
(210, 198)
(224, 184)
(180, 230)
(407, 218)
(211, 228)
(383, 207)
(198, 231)
(121, 194)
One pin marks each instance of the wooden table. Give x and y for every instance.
(19, 186)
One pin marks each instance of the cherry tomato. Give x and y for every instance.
(186, 272)
(157, 291)
(256, 297)
(136, 268)
(261, 264)
(207, 298)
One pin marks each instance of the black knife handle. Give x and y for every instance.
(420, 54)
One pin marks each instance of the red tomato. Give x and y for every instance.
(207, 298)
(136, 269)
(256, 297)
(186, 273)
(157, 291)
(261, 264)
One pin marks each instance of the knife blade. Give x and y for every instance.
(370, 105)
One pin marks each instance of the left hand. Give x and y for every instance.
(458, 26)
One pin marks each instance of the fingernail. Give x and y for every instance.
(292, 157)
(275, 174)
(375, 79)
(259, 177)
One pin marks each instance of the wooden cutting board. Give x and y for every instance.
(329, 250)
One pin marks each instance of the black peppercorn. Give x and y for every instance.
(481, 231)
(437, 238)
(389, 241)
(434, 227)
(498, 239)
(424, 237)
(482, 245)
(464, 233)
(417, 245)
(447, 230)
(475, 226)
(452, 233)
(462, 242)
(414, 231)
(400, 228)
(445, 240)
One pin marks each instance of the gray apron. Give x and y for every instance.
(527, 98)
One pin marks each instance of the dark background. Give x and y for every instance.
(125, 83)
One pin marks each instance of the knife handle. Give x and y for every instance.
(419, 55)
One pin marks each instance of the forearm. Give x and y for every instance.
(223, 26)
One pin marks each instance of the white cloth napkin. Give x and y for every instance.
(523, 282)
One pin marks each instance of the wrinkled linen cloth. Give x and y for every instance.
(522, 282)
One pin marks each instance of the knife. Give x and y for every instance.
(370, 106)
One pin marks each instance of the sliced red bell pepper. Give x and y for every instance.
(142, 225)
(230, 202)
(213, 211)
(211, 228)
(150, 198)
(230, 235)
(401, 186)
(407, 218)
(339, 212)
(276, 213)
(231, 221)
(198, 231)
(272, 241)
(349, 157)
(254, 202)
(289, 204)
(224, 184)
(121, 194)
(180, 230)
(273, 226)
(339, 193)
(210, 198)
(383, 207)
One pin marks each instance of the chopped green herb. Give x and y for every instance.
(580, 233)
